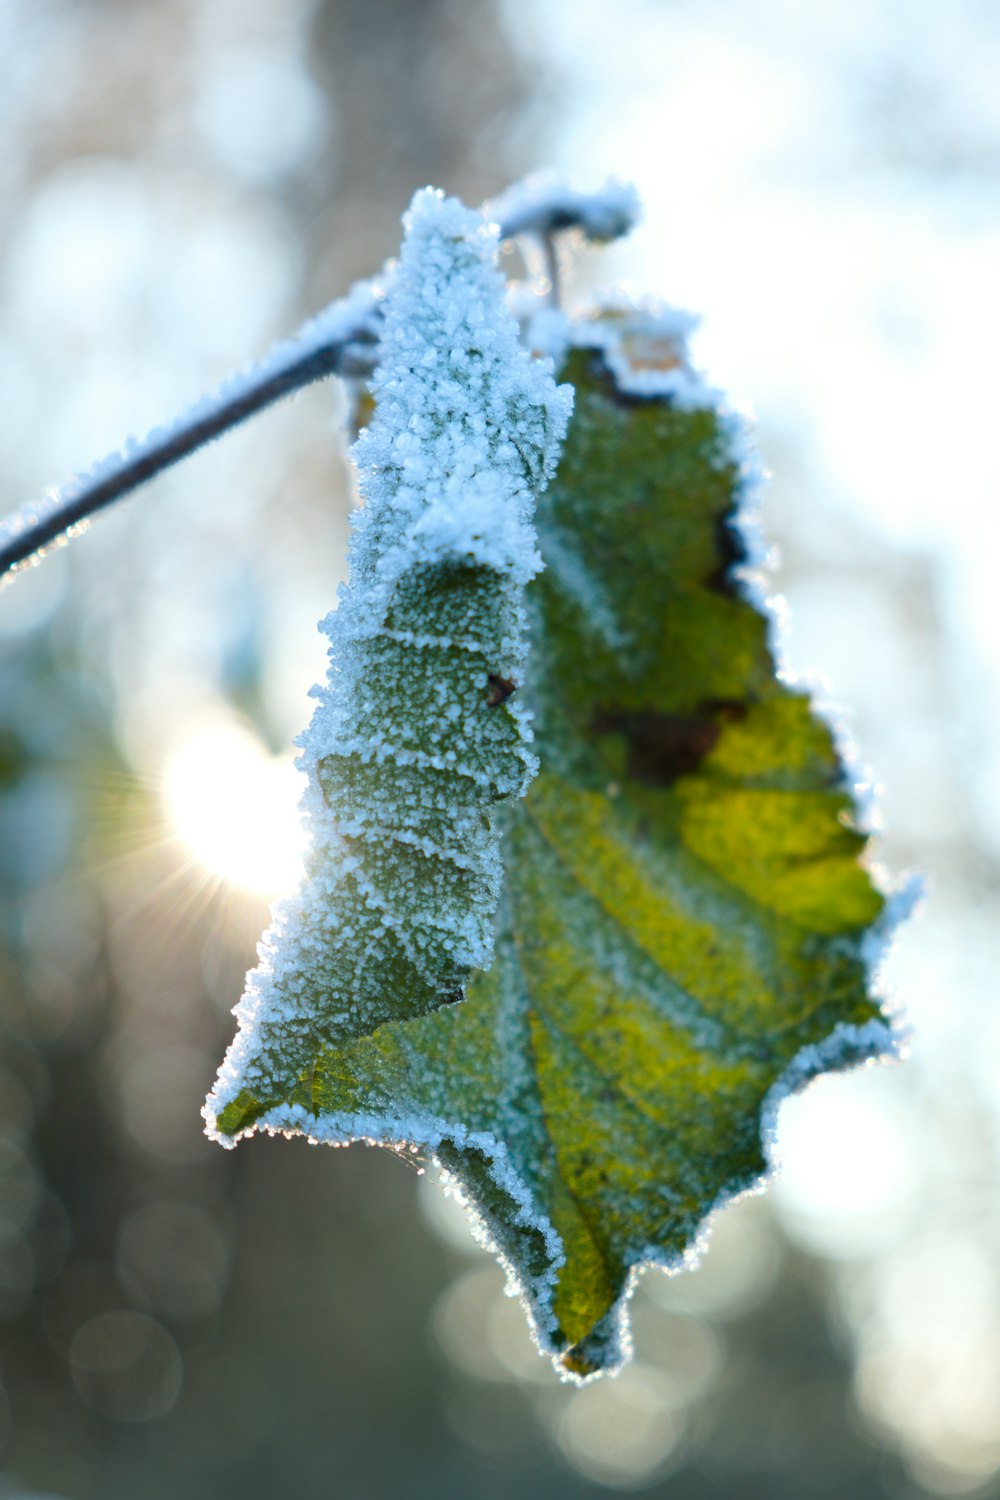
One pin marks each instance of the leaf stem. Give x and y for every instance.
(551, 253)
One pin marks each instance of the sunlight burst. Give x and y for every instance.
(235, 806)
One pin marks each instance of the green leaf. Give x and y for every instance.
(684, 921)
(419, 736)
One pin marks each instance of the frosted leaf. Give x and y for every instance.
(419, 735)
(687, 924)
(686, 929)
(338, 340)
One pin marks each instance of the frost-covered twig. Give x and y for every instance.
(545, 203)
(340, 340)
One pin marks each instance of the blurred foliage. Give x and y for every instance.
(187, 181)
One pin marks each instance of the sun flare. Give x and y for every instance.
(235, 806)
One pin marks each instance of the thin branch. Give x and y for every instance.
(544, 204)
(550, 251)
(340, 341)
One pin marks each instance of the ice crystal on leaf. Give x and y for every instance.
(684, 919)
(420, 733)
(545, 203)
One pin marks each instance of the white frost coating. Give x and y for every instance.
(329, 340)
(339, 339)
(418, 734)
(644, 346)
(846, 1047)
(420, 1131)
(646, 352)
(544, 203)
(460, 407)
(901, 900)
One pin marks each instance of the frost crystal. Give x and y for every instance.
(418, 735)
(545, 203)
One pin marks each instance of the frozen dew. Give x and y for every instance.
(622, 1433)
(410, 753)
(446, 1216)
(234, 805)
(475, 1311)
(126, 1366)
(544, 203)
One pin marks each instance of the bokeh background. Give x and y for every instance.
(181, 182)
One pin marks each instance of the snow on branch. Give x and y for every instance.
(544, 203)
(339, 341)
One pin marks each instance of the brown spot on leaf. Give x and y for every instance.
(729, 710)
(731, 550)
(500, 689)
(664, 747)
